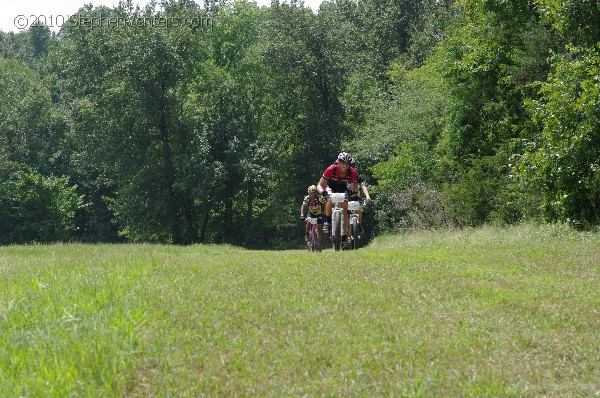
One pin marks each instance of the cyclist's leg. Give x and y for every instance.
(328, 207)
(346, 219)
(327, 217)
(319, 230)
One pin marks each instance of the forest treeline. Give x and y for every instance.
(457, 112)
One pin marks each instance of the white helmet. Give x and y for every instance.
(345, 157)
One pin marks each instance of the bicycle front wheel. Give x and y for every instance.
(316, 243)
(337, 231)
(354, 234)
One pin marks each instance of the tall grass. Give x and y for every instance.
(484, 312)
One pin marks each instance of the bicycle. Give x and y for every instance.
(337, 217)
(354, 228)
(314, 236)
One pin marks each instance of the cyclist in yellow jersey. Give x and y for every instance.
(314, 204)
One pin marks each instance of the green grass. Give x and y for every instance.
(484, 312)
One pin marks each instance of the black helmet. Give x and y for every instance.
(345, 157)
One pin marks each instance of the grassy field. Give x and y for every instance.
(485, 312)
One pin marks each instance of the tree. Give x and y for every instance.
(484, 58)
(226, 102)
(575, 20)
(562, 161)
(25, 114)
(128, 81)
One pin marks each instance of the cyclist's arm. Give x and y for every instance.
(365, 190)
(302, 209)
(321, 186)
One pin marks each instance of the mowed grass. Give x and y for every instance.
(484, 312)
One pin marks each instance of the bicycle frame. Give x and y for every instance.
(314, 237)
(353, 214)
(337, 219)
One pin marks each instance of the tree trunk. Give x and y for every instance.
(250, 199)
(169, 174)
(205, 225)
(191, 218)
(229, 235)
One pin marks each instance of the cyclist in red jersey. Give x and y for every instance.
(336, 179)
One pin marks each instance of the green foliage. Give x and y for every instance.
(25, 114)
(428, 31)
(386, 27)
(469, 198)
(474, 55)
(575, 20)
(130, 82)
(398, 141)
(412, 164)
(563, 160)
(35, 208)
(490, 55)
(227, 101)
(30, 46)
(406, 194)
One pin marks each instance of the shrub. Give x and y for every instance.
(37, 208)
